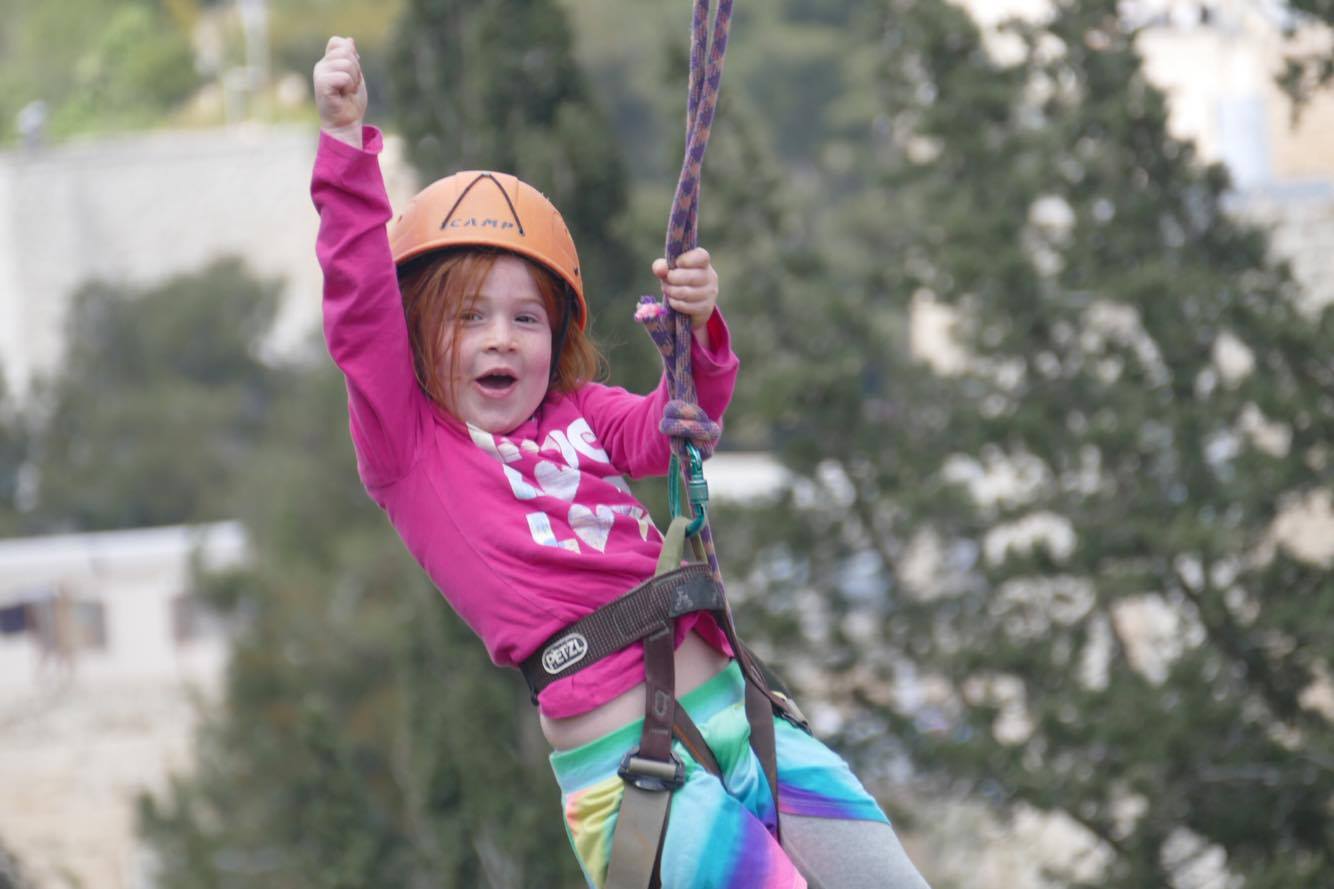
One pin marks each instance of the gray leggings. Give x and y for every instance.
(833, 854)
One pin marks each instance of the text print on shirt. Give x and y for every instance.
(560, 480)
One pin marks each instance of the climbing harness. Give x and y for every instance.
(651, 771)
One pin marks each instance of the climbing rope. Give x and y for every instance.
(652, 771)
(693, 434)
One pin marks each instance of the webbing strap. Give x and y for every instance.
(640, 827)
(622, 622)
(645, 809)
(641, 824)
(659, 694)
(693, 741)
(760, 715)
(673, 545)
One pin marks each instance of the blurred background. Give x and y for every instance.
(1026, 488)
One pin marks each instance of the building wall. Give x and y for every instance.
(1217, 61)
(138, 209)
(88, 723)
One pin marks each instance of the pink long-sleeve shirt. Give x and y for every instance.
(523, 533)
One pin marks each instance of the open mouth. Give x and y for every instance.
(496, 381)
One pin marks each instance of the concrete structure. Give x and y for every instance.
(138, 209)
(1217, 61)
(105, 656)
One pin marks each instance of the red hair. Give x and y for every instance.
(438, 286)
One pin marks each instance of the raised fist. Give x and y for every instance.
(340, 90)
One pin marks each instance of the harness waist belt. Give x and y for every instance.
(652, 604)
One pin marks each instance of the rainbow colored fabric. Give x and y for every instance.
(720, 833)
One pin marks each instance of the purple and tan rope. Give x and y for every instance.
(683, 419)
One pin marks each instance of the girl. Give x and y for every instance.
(479, 430)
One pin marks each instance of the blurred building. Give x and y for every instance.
(1217, 61)
(137, 209)
(105, 655)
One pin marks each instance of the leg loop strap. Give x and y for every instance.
(651, 772)
(637, 843)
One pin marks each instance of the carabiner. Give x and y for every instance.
(697, 489)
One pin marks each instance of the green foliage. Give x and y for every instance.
(158, 404)
(799, 65)
(1323, 9)
(1307, 72)
(13, 453)
(11, 871)
(98, 64)
(1095, 279)
(366, 738)
(495, 85)
(867, 158)
(299, 29)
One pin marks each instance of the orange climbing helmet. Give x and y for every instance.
(479, 208)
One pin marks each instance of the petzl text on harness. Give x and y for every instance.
(651, 771)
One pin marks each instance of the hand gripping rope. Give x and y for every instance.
(683, 419)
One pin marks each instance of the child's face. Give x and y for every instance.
(501, 357)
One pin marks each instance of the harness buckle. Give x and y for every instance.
(652, 774)
(697, 489)
(791, 712)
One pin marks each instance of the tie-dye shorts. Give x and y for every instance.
(720, 833)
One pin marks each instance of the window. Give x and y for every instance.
(67, 625)
(14, 619)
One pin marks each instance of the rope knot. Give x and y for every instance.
(681, 419)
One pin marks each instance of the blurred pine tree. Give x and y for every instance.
(496, 86)
(365, 737)
(1306, 71)
(1050, 573)
(156, 406)
(13, 453)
